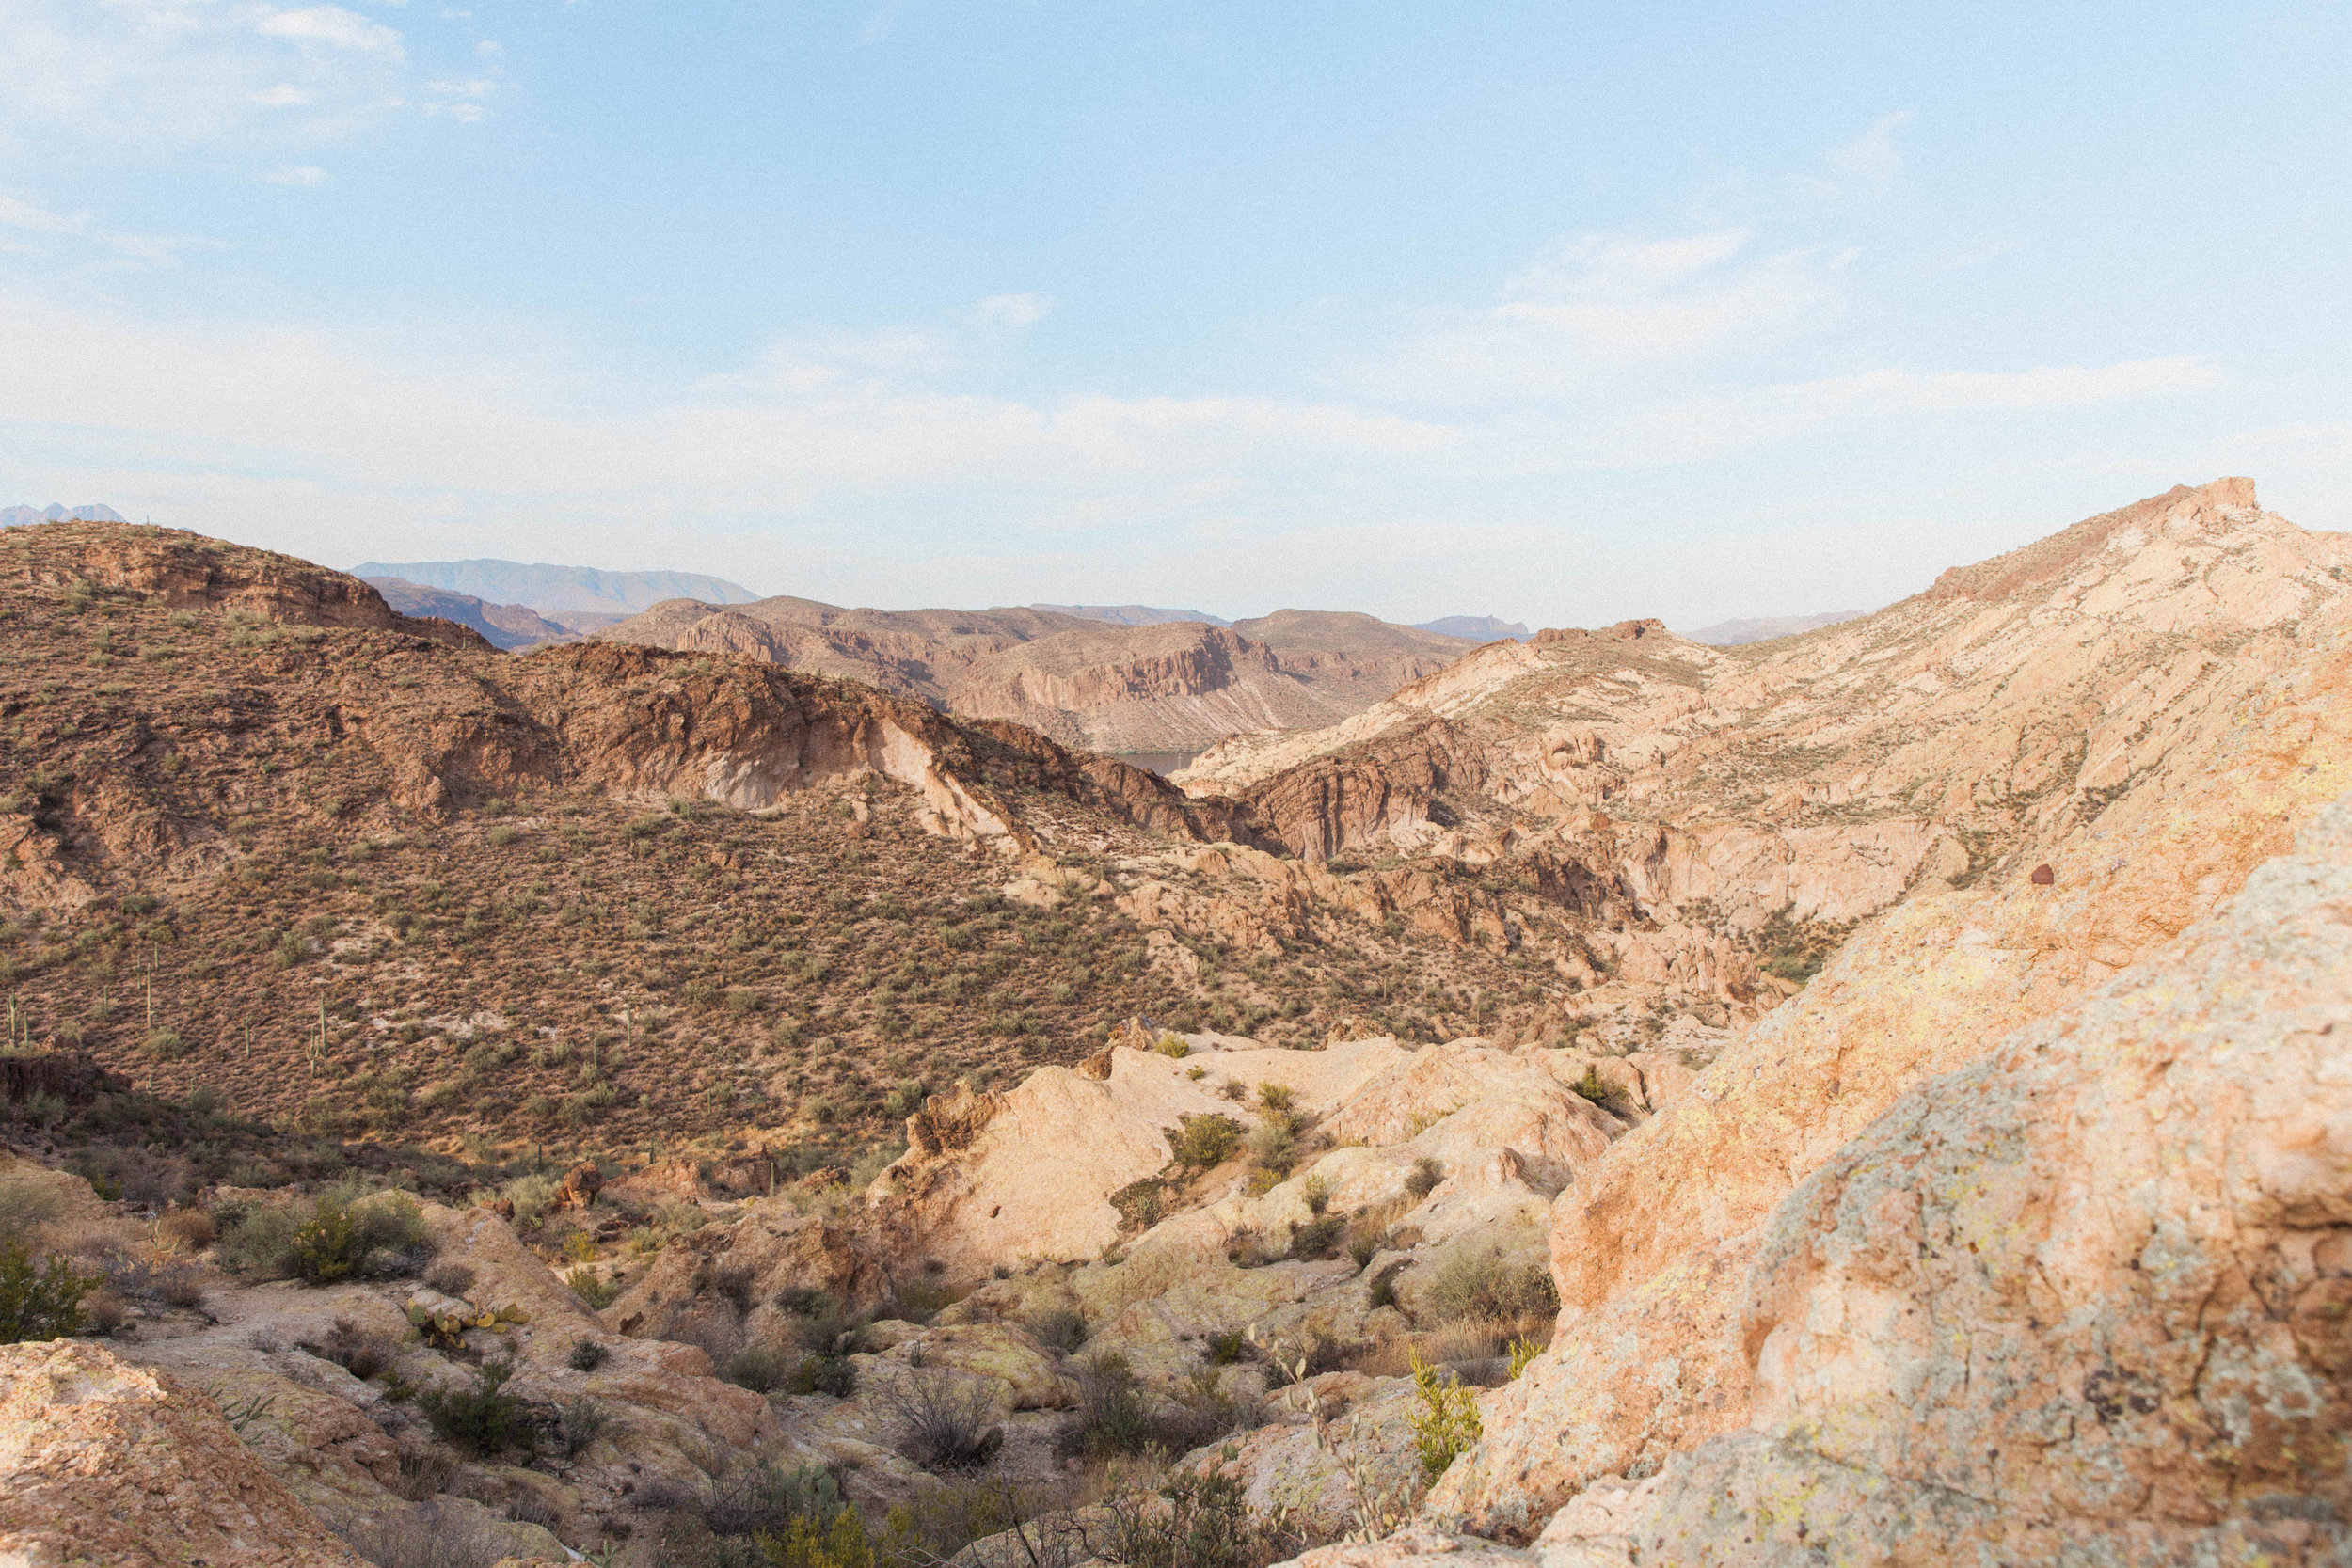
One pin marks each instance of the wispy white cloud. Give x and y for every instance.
(1871, 160)
(295, 174)
(1602, 305)
(285, 95)
(114, 249)
(334, 26)
(1014, 310)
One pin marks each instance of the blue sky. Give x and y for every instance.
(1565, 312)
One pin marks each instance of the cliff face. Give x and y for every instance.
(1164, 686)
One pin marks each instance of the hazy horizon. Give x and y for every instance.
(1559, 318)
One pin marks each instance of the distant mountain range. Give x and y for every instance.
(1763, 628)
(510, 626)
(17, 517)
(581, 597)
(1478, 628)
(1132, 614)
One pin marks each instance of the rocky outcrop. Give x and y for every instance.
(103, 1461)
(2087, 1295)
(188, 571)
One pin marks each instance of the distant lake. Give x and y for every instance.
(1162, 763)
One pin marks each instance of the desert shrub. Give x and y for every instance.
(1205, 1141)
(163, 1045)
(1139, 1204)
(943, 1420)
(370, 1236)
(762, 1369)
(530, 1195)
(1061, 1328)
(1274, 1146)
(1194, 1521)
(1473, 1282)
(580, 1421)
(1113, 1416)
(361, 1353)
(430, 1535)
(190, 1229)
(1383, 1288)
(1428, 1173)
(587, 1355)
(40, 1304)
(1171, 1045)
(728, 1521)
(592, 1289)
(452, 1278)
(484, 1420)
(258, 1243)
(1316, 1194)
(1275, 1097)
(1317, 1237)
(824, 1374)
(27, 1203)
(1444, 1421)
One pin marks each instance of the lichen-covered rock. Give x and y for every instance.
(105, 1462)
(2087, 1300)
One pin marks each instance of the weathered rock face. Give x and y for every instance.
(102, 1462)
(2089, 1289)
(1170, 686)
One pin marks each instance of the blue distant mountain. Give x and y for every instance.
(560, 592)
(1131, 614)
(1478, 628)
(17, 517)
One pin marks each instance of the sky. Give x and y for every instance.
(1564, 312)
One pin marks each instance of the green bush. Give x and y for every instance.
(1474, 1283)
(824, 1374)
(485, 1419)
(40, 1304)
(1061, 1328)
(1205, 1141)
(343, 1233)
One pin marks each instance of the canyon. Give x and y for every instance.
(1877, 1094)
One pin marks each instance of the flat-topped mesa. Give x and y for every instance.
(1623, 631)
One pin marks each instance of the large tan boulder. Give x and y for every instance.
(1027, 1174)
(1023, 1376)
(105, 1462)
(2095, 1288)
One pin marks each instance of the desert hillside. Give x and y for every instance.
(1876, 1095)
(1134, 685)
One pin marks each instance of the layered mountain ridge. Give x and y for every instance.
(1165, 685)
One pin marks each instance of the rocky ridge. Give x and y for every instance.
(1158, 685)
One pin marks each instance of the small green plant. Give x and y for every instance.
(586, 1355)
(1523, 1351)
(1275, 1097)
(1172, 1045)
(598, 1294)
(40, 1304)
(1205, 1141)
(1592, 1088)
(1317, 1237)
(1444, 1421)
(1316, 1194)
(483, 1420)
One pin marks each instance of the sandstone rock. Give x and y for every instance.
(100, 1462)
(1025, 1376)
(2141, 1209)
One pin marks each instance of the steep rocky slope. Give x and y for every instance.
(1135, 686)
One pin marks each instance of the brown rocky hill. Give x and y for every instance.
(1174, 686)
(363, 875)
(510, 626)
